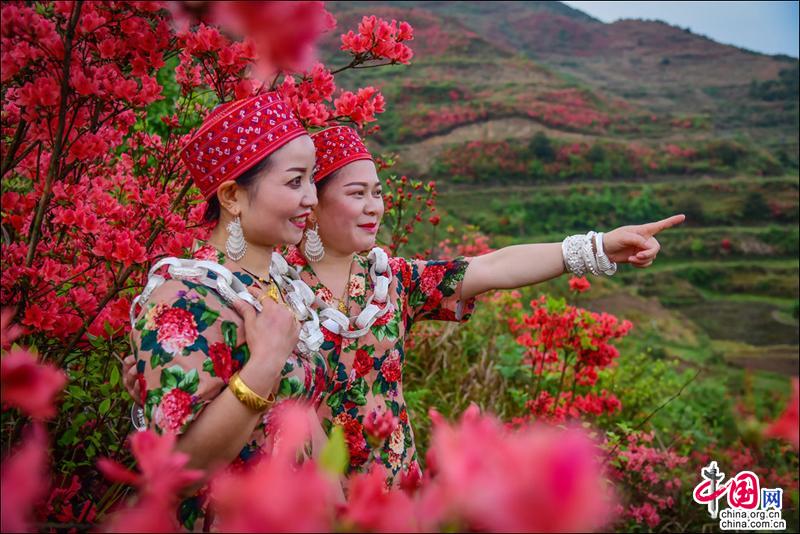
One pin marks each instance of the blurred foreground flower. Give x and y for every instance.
(24, 383)
(24, 481)
(787, 426)
(538, 478)
(162, 476)
(284, 34)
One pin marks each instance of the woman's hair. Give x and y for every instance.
(247, 180)
(322, 184)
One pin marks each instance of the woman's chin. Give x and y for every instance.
(365, 243)
(292, 236)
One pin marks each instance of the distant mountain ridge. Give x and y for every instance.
(499, 54)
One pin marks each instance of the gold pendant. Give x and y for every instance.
(274, 293)
(343, 307)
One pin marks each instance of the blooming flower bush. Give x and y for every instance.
(545, 159)
(98, 99)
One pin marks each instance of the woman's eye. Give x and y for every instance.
(378, 193)
(296, 182)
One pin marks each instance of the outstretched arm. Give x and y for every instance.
(523, 265)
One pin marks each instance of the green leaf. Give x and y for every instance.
(241, 354)
(335, 457)
(229, 333)
(209, 316)
(358, 392)
(114, 378)
(190, 381)
(67, 437)
(290, 386)
(171, 376)
(208, 366)
(393, 329)
(335, 400)
(379, 386)
(379, 332)
(104, 406)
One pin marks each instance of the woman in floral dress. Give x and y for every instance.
(366, 370)
(200, 362)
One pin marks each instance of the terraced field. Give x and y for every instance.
(717, 293)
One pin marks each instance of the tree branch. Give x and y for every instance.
(36, 226)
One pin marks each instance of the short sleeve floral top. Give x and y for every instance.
(188, 343)
(366, 373)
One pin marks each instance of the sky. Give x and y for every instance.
(766, 27)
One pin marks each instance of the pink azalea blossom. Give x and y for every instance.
(536, 479)
(24, 481)
(28, 385)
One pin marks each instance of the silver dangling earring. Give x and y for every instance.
(235, 245)
(313, 246)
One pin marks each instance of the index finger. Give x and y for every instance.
(655, 227)
(245, 310)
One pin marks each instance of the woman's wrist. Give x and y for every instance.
(261, 376)
(584, 254)
(248, 397)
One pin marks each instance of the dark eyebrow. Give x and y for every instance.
(362, 184)
(298, 169)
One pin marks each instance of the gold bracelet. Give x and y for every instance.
(247, 396)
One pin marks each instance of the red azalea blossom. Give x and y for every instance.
(162, 474)
(787, 426)
(579, 285)
(536, 479)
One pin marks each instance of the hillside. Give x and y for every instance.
(537, 120)
(478, 62)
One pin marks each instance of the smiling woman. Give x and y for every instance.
(208, 371)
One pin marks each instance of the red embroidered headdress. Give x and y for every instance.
(236, 136)
(336, 147)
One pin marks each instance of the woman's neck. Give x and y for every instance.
(333, 270)
(256, 259)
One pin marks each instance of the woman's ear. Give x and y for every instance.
(229, 195)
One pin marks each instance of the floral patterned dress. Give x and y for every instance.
(366, 374)
(188, 343)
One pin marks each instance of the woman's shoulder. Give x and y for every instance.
(185, 296)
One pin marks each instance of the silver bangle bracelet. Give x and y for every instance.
(580, 257)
